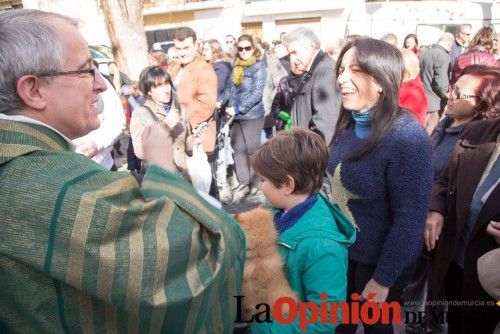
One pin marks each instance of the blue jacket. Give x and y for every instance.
(386, 193)
(314, 250)
(247, 97)
(223, 71)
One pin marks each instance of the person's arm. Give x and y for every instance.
(271, 84)
(409, 179)
(138, 124)
(158, 249)
(224, 99)
(202, 106)
(276, 105)
(437, 209)
(221, 72)
(325, 103)
(441, 76)
(324, 273)
(257, 90)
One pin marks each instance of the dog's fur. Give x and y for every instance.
(263, 280)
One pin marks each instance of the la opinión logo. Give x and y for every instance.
(354, 312)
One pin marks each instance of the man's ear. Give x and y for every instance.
(289, 186)
(28, 89)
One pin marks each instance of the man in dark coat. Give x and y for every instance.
(317, 99)
(462, 38)
(464, 201)
(435, 73)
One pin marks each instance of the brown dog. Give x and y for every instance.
(263, 279)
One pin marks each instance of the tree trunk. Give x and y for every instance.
(125, 26)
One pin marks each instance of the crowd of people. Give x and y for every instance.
(380, 166)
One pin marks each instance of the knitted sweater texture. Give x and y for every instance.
(386, 193)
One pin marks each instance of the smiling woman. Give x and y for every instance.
(379, 154)
(468, 101)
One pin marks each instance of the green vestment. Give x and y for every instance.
(83, 249)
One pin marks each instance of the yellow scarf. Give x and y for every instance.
(239, 68)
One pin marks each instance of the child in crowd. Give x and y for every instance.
(313, 234)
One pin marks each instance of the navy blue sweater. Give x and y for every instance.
(443, 138)
(386, 194)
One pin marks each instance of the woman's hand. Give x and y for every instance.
(433, 227)
(494, 229)
(374, 292)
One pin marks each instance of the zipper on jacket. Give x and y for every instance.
(284, 245)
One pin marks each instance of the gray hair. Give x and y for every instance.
(446, 38)
(28, 45)
(302, 34)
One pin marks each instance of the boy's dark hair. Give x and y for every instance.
(300, 153)
(182, 33)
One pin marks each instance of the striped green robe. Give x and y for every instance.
(86, 250)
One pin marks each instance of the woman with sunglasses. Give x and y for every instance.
(380, 172)
(245, 101)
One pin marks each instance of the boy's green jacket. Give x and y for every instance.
(315, 255)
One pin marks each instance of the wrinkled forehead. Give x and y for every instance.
(298, 46)
(74, 47)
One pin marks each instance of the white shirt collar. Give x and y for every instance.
(25, 119)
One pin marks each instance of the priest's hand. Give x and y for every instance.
(157, 145)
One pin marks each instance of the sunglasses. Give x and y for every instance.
(246, 48)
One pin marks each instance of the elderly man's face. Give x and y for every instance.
(464, 35)
(301, 55)
(71, 100)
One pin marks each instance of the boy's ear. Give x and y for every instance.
(289, 186)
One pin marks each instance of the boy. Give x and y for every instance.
(313, 234)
